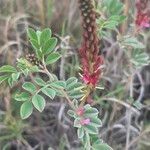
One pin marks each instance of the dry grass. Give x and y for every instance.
(123, 125)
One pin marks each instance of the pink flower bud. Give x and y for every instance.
(85, 121)
(89, 100)
(80, 111)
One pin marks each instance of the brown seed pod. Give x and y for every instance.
(34, 60)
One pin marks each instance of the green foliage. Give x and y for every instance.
(33, 92)
(46, 34)
(26, 67)
(3, 78)
(139, 58)
(23, 96)
(39, 81)
(74, 88)
(49, 92)
(31, 34)
(49, 45)
(26, 109)
(58, 84)
(29, 87)
(10, 74)
(112, 10)
(49, 89)
(44, 44)
(38, 102)
(130, 41)
(101, 146)
(52, 58)
(90, 127)
(8, 69)
(138, 105)
(111, 23)
(113, 7)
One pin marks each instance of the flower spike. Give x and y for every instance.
(89, 51)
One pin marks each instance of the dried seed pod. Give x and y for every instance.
(34, 60)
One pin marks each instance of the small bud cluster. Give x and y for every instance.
(89, 50)
(83, 121)
(80, 111)
(143, 13)
(34, 60)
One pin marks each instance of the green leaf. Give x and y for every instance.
(95, 121)
(45, 35)
(122, 18)
(29, 87)
(39, 54)
(90, 111)
(101, 146)
(26, 109)
(25, 72)
(91, 129)
(71, 113)
(15, 76)
(24, 96)
(139, 58)
(87, 144)
(95, 139)
(49, 92)
(39, 82)
(76, 103)
(35, 44)
(114, 7)
(34, 69)
(77, 123)
(59, 92)
(3, 78)
(32, 34)
(138, 105)
(74, 86)
(8, 69)
(53, 57)
(110, 24)
(71, 80)
(76, 89)
(80, 133)
(49, 45)
(58, 84)
(38, 33)
(75, 95)
(10, 82)
(38, 102)
(132, 42)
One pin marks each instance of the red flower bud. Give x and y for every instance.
(80, 111)
(142, 17)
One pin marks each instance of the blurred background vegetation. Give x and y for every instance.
(126, 59)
